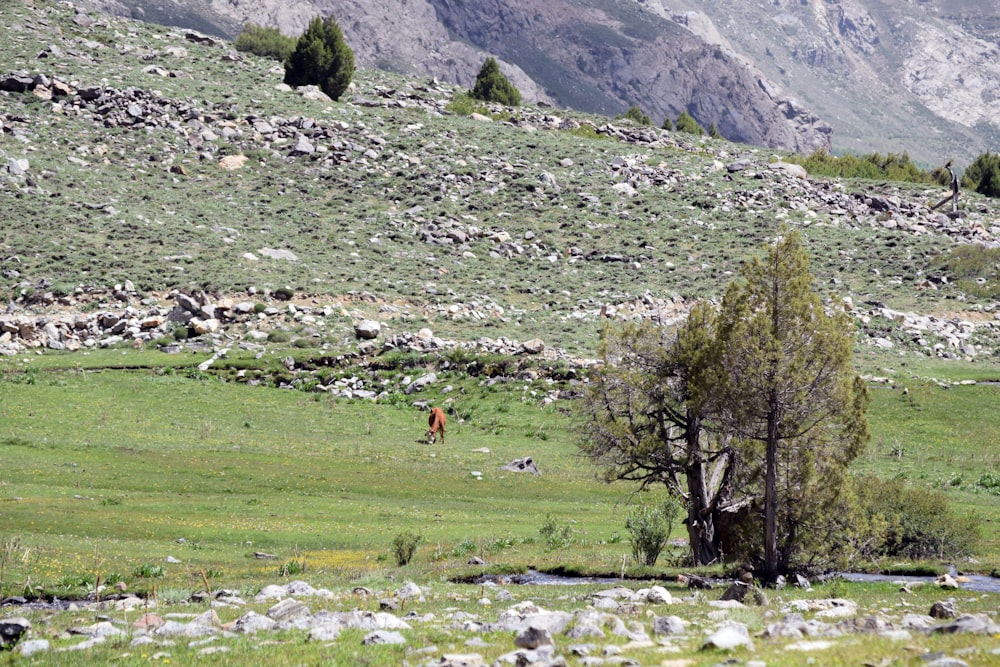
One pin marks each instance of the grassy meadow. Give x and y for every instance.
(171, 481)
(104, 471)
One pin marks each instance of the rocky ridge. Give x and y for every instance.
(601, 628)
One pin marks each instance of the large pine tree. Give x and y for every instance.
(789, 385)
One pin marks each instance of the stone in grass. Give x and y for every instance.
(669, 625)
(532, 637)
(728, 637)
(383, 637)
(460, 660)
(11, 630)
(367, 329)
(943, 609)
(251, 623)
(288, 609)
(33, 646)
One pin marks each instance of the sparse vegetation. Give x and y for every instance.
(266, 42)
(404, 545)
(649, 527)
(871, 166)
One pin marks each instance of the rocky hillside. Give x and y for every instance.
(890, 75)
(595, 57)
(158, 185)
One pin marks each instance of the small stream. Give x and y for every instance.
(978, 583)
(971, 582)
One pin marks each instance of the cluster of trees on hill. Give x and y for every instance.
(750, 413)
(685, 122)
(319, 57)
(982, 176)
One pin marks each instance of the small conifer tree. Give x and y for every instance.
(713, 132)
(667, 124)
(321, 58)
(636, 115)
(687, 123)
(493, 86)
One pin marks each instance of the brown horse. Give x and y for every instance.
(436, 422)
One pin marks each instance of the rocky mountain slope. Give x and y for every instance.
(139, 165)
(595, 57)
(891, 75)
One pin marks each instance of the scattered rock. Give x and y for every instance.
(11, 630)
(367, 329)
(728, 637)
(945, 609)
(526, 464)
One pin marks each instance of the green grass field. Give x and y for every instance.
(116, 465)
(107, 474)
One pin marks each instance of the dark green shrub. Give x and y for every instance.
(283, 293)
(404, 546)
(292, 568)
(983, 175)
(872, 166)
(916, 522)
(321, 58)
(687, 123)
(279, 336)
(667, 124)
(713, 132)
(635, 115)
(493, 86)
(264, 42)
(649, 528)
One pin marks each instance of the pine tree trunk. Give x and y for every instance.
(701, 517)
(771, 500)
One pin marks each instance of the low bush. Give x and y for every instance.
(649, 528)
(687, 123)
(265, 42)
(556, 536)
(871, 166)
(404, 545)
(292, 568)
(148, 571)
(914, 522)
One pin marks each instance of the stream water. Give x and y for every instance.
(977, 583)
